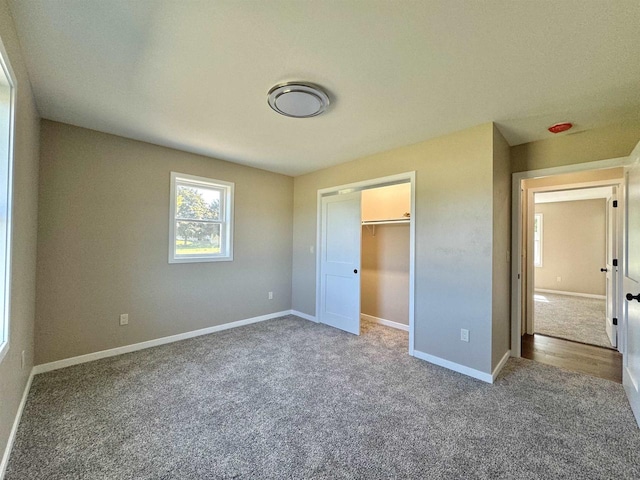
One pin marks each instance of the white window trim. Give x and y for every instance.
(541, 228)
(228, 190)
(5, 321)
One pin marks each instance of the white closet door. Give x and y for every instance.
(340, 262)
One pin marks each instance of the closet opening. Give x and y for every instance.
(365, 257)
(385, 241)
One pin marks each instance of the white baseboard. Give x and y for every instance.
(456, 367)
(14, 428)
(311, 318)
(500, 366)
(571, 294)
(67, 362)
(387, 323)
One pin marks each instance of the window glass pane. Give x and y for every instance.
(537, 240)
(198, 238)
(197, 203)
(201, 217)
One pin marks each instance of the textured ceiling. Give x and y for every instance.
(194, 75)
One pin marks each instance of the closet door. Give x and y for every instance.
(340, 262)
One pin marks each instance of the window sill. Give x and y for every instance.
(200, 259)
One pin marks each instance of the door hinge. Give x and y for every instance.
(615, 204)
(615, 321)
(615, 262)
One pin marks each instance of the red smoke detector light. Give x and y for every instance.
(560, 127)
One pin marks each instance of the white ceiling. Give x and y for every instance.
(573, 195)
(195, 75)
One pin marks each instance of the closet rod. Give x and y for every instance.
(386, 222)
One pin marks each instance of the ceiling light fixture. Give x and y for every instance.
(298, 99)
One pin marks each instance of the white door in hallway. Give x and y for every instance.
(341, 231)
(610, 269)
(631, 349)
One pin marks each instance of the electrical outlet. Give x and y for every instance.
(311, 249)
(464, 334)
(558, 279)
(22, 359)
(124, 319)
(270, 295)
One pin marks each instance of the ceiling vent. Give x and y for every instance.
(298, 99)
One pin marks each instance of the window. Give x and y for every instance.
(7, 94)
(537, 240)
(201, 227)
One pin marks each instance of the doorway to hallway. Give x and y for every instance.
(570, 245)
(575, 249)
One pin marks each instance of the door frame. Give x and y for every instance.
(615, 237)
(516, 236)
(406, 177)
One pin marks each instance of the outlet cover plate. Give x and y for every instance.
(464, 334)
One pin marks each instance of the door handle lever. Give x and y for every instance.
(633, 297)
(604, 270)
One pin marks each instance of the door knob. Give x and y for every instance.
(633, 297)
(604, 270)
(355, 270)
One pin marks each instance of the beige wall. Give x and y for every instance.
(601, 175)
(573, 246)
(13, 378)
(103, 245)
(587, 146)
(501, 282)
(385, 272)
(454, 238)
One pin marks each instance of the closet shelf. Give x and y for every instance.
(386, 222)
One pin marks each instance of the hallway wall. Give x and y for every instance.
(573, 246)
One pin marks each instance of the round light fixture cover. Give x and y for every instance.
(298, 99)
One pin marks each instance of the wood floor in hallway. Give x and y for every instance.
(597, 361)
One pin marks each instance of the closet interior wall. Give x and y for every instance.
(385, 253)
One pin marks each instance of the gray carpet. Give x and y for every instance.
(579, 319)
(291, 399)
